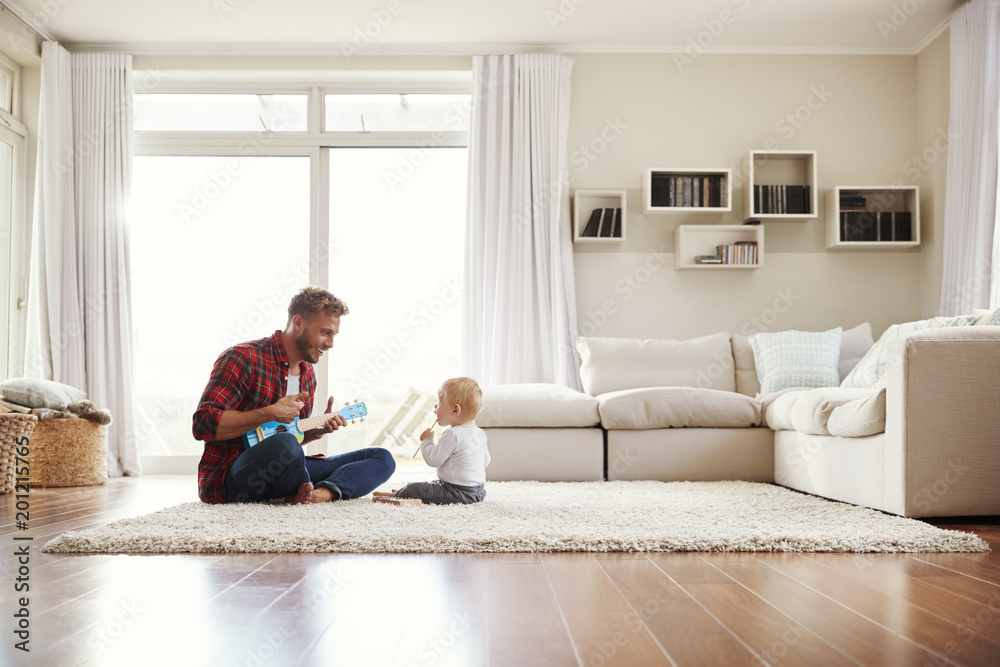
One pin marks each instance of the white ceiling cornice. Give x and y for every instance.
(26, 17)
(933, 34)
(275, 49)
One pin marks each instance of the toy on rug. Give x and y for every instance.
(397, 502)
(84, 409)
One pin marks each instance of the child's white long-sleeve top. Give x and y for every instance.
(461, 455)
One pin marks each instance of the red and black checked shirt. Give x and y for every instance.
(245, 377)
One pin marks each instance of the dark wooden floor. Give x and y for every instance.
(257, 610)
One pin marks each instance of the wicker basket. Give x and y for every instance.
(69, 452)
(13, 426)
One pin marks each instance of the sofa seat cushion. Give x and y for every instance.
(810, 411)
(667, 407)
(536, 405)
(860, 417)
(776, 408)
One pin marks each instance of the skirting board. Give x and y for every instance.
(692, 454)
(545, 454)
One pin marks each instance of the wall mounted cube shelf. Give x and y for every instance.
(691, 241)
(687, 191)
(599, 216)
(873, 216)
(780, 185)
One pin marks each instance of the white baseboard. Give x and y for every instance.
(169, 465)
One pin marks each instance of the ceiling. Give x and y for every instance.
(467, 26)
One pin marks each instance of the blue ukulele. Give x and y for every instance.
(298, 426)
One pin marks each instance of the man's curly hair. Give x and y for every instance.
(311, 301)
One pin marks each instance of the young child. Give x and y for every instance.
(461, 455)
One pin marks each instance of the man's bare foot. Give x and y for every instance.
(321, 495)
(303, 495)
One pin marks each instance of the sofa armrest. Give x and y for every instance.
(943, 423)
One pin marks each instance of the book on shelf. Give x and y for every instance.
(604, 226)
(708, 259)
(603, 223)
(688, 191)
(782, 199)
(740, 252)
(850, 202)
(608, 218)
(875, 226)
(593, 224)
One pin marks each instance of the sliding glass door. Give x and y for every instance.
(397, 239)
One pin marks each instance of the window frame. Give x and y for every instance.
(12, 89)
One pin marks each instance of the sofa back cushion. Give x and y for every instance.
(613, 364)
(796, 359)
(854, 344)
(870, 371)
(746, 373)
(986, 317)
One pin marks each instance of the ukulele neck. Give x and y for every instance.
(310, 423)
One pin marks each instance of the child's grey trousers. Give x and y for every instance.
(440, 492)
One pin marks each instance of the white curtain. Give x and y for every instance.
(520, 296)
(971, 237)
(80, 320)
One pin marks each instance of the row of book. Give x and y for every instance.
(876, 226)
(781, 199)
(741, 252)
(604, 222)
(690, 191)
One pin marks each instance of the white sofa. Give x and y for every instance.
(927, 444)
(936, 449)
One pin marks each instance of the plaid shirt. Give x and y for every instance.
(245, 377)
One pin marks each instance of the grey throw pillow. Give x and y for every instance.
(39, 393)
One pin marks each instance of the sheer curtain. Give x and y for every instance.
(80, 310)
(971, 237)
(520, 296)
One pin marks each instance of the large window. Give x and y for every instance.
(229, 219)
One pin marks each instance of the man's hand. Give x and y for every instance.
(335, 421)
(288, 408)
(234, 423)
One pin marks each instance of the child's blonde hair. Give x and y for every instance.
(466, 393)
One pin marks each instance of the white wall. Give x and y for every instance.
(863, 124)
(933, 81)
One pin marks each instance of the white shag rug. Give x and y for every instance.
(534, 517)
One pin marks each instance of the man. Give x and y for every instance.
(272, 379)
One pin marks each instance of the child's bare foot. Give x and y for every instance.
(321, 495)
(303, 495)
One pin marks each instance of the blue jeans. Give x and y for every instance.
(276, 467)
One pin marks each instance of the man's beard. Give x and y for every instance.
(307, 351)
